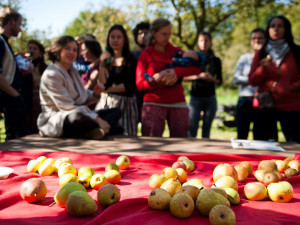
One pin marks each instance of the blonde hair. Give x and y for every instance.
(156, 26)
(6, 14)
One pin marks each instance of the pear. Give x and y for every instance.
(290, 172)
(267, 165)
(61, 196)
(221, 214)
(80, 203)
(220, 191)
(190, 190)
(259, 175)
(159, 199)
(111, 166)
(207, 199)
(226, 181)
(171, 185)
(182, 205)
(233, 196)
(108, 194)
(67, 178)
(85, 179)
(47, 168)
(86, 170)
(270, 177)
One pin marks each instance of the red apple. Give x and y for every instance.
(33, 190)
(177, 165)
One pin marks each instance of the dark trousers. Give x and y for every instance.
(244, 116)
(76, 124)
(14, 110)
(266, 125)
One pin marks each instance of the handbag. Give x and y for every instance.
(266, 101)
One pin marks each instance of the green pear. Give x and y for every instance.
(233, 196)
(220, 191)
(190, 190)
(182, 205)
(80, 203)
(221, 214)
(207, 199)
(61, 196)
(108, 194)
(159, 199)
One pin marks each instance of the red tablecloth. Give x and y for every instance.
(133, 207)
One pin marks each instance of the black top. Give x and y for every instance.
(17, 81)
(123, 74)
(201, 88)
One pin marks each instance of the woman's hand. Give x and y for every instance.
(103, 124)
(265, 62)
(104, 56)
(98, 89)
(166, 77)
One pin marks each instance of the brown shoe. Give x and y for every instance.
(95, 134)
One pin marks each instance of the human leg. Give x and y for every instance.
(244, 116)
(265, 125)
(153, 120)
(209, 113)
(290, 121)
(194, 115)
(14, 111)
(178, 121)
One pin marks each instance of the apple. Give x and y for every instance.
(169, 172)
(281, 165)
(181, 158)
(226, 182)
(177, 165)
(123, 162)
(294, 164)
(195, 182)
(97, 181)
(47, 167)
(86, 170)
(182, 175)
(33, 166)
(156, 181)
(33, 190)
(224, 170)
(280, 192)
(190, 166)
(255, 191)
(111, 166)
(112, 176)
(66, 168)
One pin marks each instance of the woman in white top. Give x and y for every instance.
(64, 99)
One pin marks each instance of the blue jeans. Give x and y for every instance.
(207, 105)
(244, 116)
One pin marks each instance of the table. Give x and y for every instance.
(133, 207)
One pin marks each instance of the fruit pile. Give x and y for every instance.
(172, 190)
(72, 194)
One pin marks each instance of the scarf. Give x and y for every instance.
(277, 50)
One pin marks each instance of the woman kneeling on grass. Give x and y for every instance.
(64, 99)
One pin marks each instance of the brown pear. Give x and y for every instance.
(279, 175)
(294, 164)
(190, 190)
(220, 191)
(221, 214)
(269, 178)
(182, 205)
(248, 165)
(242, 172)
(290, 172)
(267, 165)
(159, 199)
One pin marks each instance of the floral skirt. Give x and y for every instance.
(128, 106)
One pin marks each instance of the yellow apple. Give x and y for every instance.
(280, 192)
(281, 165)
(224, 170)
(112, 176)
(255, 191)
(294, 164)
(169, 172)
(226, 182)
(66, 168)
(156, 181)
(171, 185)
(47, 167)
(195, 182)
(97, 181)
(123, 162)
(33, 166)
(182, 175)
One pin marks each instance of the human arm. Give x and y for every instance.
(7, 88)
(242, 70)
(94, 76)
(257, 74)
(103, 69)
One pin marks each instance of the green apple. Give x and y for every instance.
(280, 192)
(86, 170)
(123, 162)
(111, 166)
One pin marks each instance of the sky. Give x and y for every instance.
(53, 16)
